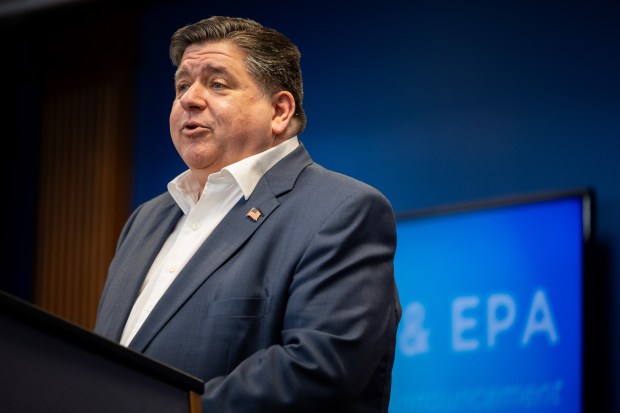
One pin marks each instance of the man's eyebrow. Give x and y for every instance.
(208, 68)
(180, 73)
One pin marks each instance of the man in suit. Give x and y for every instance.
(258, 271)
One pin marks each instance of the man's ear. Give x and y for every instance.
(284, 108)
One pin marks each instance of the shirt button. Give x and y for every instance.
(172, 269)
(149, 308)
(196, 225)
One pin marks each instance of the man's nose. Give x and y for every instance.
(194, 97)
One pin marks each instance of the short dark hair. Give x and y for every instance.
(271, 58)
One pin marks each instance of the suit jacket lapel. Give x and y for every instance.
(227, 237)
(132, 269)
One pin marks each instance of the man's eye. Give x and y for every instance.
(182, 87)
(217, 85)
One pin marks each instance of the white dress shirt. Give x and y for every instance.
(200, 216)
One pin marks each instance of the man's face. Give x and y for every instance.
(219, 115)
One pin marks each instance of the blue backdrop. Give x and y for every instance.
(435, 103)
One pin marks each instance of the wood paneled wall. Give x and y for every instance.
(85, 161)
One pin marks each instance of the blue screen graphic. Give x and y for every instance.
(492, 309)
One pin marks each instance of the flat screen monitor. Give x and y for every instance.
(493, 304)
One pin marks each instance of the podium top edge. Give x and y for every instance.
(38, 318)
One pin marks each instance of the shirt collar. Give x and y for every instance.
(246, 173)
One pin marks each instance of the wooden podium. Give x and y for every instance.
(50, 365)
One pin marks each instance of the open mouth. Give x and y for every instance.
(192, 126)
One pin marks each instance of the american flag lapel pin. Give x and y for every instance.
(254, 214)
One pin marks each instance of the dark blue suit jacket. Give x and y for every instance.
(294, 312)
